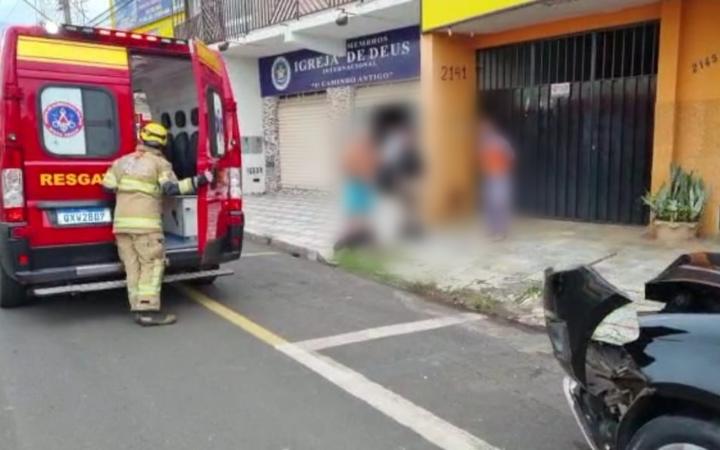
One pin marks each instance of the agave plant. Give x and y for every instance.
(682, 200)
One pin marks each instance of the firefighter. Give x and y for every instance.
(139, 181)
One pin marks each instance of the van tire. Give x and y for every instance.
(12, 293)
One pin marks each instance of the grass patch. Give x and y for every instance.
(373, 266)
(363, 263)
(533, 291)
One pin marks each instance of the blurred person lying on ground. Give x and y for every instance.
(359, 167)
(496, 159)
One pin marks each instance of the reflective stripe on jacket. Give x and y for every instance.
(139, 180)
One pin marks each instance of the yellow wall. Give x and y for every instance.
(162, 27)
(437, 13)
(695, 137)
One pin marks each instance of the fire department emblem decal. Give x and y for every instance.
(281, 73)
(63, 119)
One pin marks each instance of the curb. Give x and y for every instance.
(295, 250)
(299, 251)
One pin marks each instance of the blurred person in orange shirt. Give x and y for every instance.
(496, 159)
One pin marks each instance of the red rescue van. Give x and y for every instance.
(70, 104)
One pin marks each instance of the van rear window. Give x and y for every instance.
(217, 124)
(78, 121)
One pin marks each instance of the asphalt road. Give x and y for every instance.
(286, 354)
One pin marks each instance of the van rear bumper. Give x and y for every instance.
(178, 260)
(61, 274)
(69, 263)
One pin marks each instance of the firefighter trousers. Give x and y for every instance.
(143, 256)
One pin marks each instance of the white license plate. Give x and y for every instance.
(83, 216)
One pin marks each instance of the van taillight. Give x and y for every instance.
(235, 183)
(234, 204)
(13, 195)
(23, 259)
(15, 215)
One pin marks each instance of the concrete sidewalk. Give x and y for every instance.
(510, 272)
(303, 222)
(460, 261)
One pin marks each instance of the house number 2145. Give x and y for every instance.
(452, 73)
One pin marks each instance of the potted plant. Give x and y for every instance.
(677, 206)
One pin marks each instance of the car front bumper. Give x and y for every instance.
(572, 392)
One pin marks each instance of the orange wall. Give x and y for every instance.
(666, 97)
(569, 26)
(687, 115)
(448, 95)
(696, 143)
(450, 104)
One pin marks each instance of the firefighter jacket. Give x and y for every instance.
(139, 181)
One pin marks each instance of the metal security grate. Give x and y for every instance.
(600, 55)
(579, 110)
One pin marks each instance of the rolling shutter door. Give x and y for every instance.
(369, 96)
(306, 159)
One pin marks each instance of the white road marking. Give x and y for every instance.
(386, 331)
(251, 255)
(434, 429)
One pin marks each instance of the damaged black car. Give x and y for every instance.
(647, 381)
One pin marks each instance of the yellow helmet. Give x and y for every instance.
(153, 135)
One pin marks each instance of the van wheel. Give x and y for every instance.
(677, 433)
(12, 293)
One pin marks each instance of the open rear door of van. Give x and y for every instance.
(218, 146)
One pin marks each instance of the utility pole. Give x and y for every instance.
(65, 6)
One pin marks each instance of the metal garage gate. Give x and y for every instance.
(579, 110)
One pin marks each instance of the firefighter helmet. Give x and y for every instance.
(154, 135)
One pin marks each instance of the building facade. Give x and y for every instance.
(158, 17)
(300, 68)
(599, 97)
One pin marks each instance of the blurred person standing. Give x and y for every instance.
(359, 166)
(399, 174)
(496, 160)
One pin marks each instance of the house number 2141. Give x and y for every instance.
(452, 73)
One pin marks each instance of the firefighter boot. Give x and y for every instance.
(154, 318)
